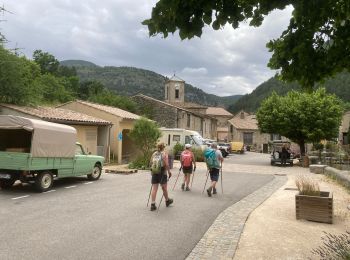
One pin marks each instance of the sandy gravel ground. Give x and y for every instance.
(272, 231)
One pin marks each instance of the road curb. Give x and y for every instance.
(221, 239)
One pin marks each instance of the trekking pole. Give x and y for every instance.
(177, 178)
(222, 188)
(194, 169)
(161, 198)
(206, 181)
(149, 196)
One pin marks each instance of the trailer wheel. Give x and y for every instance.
(95, 174)
(44, 181)
(5, 184)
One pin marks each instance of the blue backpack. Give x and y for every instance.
(211, 159)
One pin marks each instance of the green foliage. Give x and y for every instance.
(302, 117)
(198, 154)
(18, 79)
(145, 135)
(178, 148)
(313, 47)
(52, 89)
(47, 62)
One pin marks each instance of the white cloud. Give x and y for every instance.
(110, 32)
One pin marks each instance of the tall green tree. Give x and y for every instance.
(47, 62)
(145, 135)
(302, 117)
(314, 46)
(18, 79)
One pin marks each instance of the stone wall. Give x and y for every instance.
(164, 115)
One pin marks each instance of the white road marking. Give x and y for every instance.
(69, 187)
(88, 182)
(49, 191)
(21, 197)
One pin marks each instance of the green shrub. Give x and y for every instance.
(141, 163)
(178, 148)
(198, 154)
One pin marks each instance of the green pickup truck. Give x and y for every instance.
(37, 152)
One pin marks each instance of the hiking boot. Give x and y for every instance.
(187, 189)
(214, 191)
(168, 202)
(183, 186)
(153, 207)
(209, 192)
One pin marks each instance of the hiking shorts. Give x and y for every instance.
(187, 170)
(214, 174)
(161, 178)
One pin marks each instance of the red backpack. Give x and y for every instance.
(187, 159)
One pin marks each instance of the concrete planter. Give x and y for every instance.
(315, 208)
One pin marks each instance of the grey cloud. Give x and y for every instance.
(110, 32)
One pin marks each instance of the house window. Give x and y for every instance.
(188, 120)
(90, 135)
(231, 128)
(166, 92)
(248, 138)
(275, 137)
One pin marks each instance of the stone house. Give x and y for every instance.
(244, 128)
(92, 132)
(122, 149)
(170, 115)
(222, 115)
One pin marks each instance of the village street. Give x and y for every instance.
(108, 219)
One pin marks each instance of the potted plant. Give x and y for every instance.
(311, 203)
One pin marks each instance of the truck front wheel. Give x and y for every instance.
(5, 184)
(95, 174)
(43, 181)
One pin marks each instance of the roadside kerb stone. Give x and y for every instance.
(221, 239)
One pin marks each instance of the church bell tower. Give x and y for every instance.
(174, 90)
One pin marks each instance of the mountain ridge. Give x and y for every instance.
(128, 81)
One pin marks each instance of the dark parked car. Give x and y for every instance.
(276, 154)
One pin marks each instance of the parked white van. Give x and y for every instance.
(171, 136)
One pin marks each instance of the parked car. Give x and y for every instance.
(276, 152)
(224, 148)
(237, 147)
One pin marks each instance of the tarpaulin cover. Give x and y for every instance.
(48, 139)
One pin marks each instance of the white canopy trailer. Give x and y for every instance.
(37, 137)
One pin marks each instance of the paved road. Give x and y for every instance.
(108, 219)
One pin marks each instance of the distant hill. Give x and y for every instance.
(128, 81)
(77, 63)
(339, 85)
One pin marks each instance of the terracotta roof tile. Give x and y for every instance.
(57, 114)
(244, 121)
(218, 111)
(111, 110)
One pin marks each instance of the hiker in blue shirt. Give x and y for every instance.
(215, 170)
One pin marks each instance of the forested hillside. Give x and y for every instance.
(128, 81)
(339, 85)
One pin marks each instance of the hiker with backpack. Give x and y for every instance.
(188, 164)
(214, 161)
(159, 170)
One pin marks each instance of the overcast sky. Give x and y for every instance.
(109, 32)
